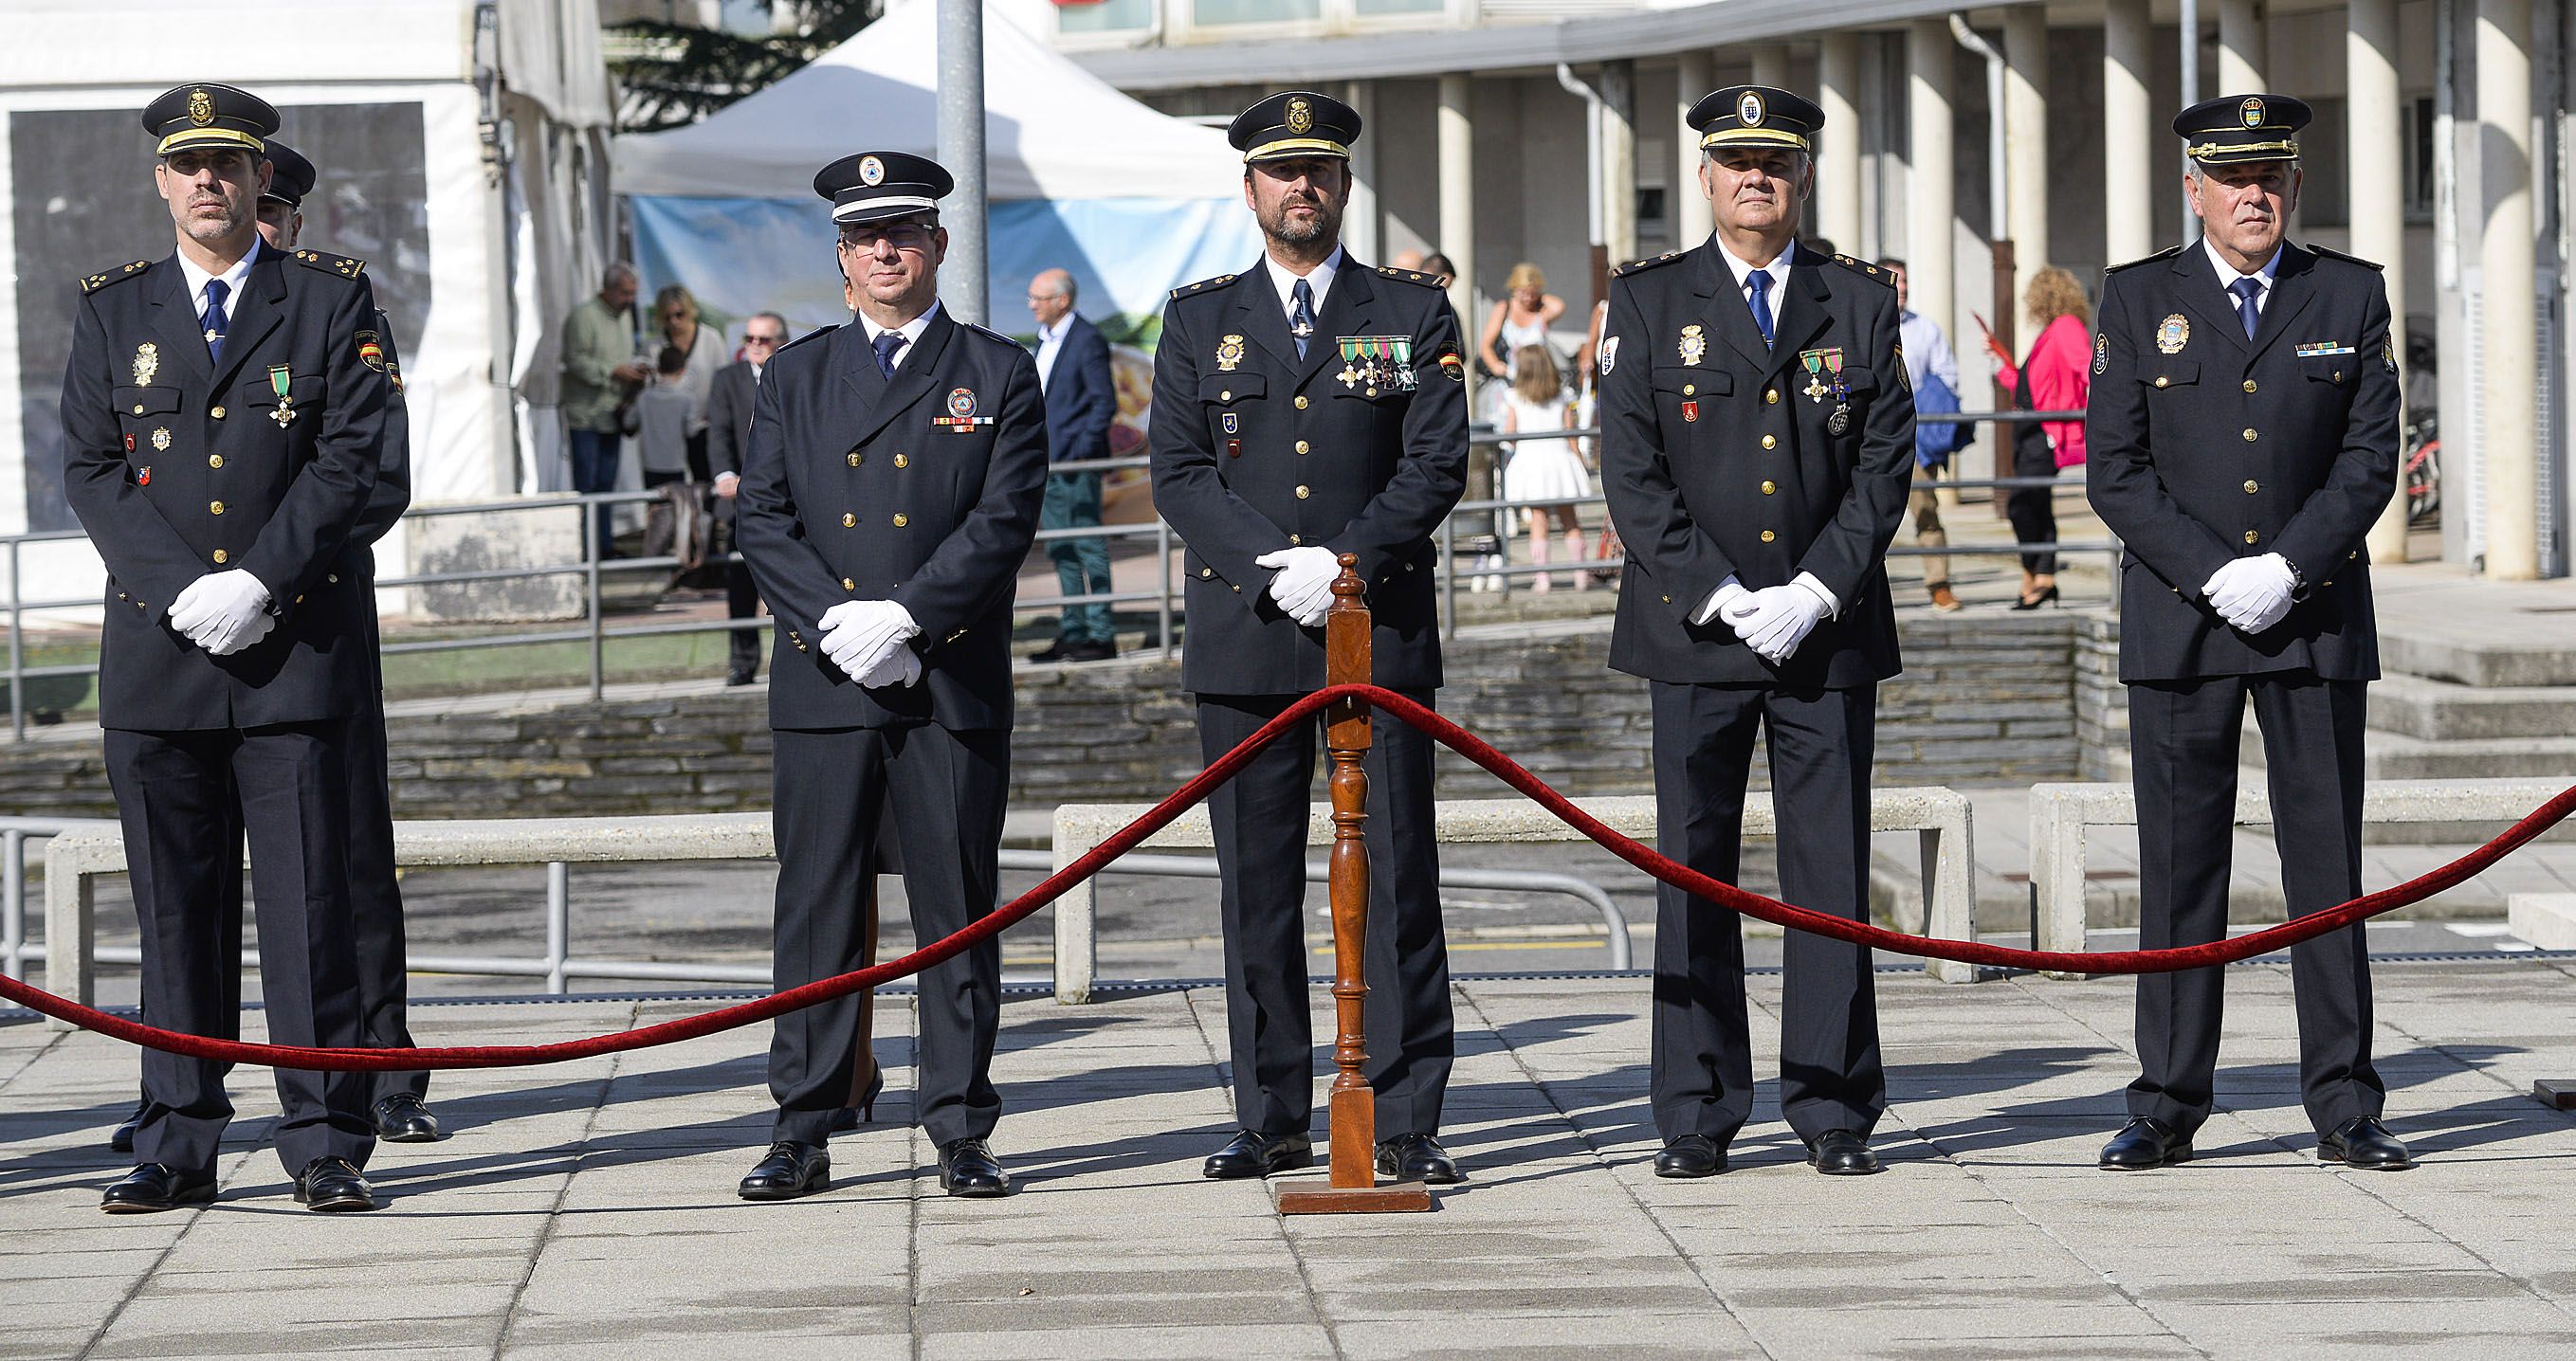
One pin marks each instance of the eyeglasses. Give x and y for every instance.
(760, 340)
(904, 236)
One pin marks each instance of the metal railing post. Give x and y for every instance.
(13, 902)
(591, 547)
(558, 924)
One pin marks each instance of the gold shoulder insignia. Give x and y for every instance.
(1219, 281)
(1411, 276)
(1638, 266)
(1864, 268)
(346, 267)
(2167, 253)
(94, 282)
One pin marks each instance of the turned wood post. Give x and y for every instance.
(1352, 1107)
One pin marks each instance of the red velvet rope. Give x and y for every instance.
(1161, 814)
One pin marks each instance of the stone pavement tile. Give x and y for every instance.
(1857, 1326)
(2473, 1329)
(1693, 1333)
(729, 1336)
(1173, 1342)
(292, 1322)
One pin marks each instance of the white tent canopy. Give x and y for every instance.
(1051, 129)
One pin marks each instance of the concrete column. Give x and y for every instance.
(2507, 459)
(1619, 160)
(2240, 49)
(2026, 141)
(1771, 65)
(2375, 175)
(1838, 156)
(1692, 77)
(1458, 193)
(1931, 190)
(2128, 181)
(1361, 227)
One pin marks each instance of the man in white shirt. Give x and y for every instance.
(1081, 403)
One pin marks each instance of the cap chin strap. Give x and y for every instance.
(193, 137)
(899, 203)
(1752, 137)
(2263, 151)
(1296, 146)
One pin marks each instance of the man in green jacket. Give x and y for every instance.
(599, 369)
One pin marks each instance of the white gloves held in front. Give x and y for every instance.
(223, 612)
(1772, 621)
(865, 638)
(1303, 587)
(2252, 594)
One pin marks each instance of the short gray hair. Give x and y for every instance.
(616, 271)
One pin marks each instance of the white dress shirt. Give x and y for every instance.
(910, 330)
(1778, 269)
(1320, 279)
(1050, 341)
(2228, 275)
(197, 279)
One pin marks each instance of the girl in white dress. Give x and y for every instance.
(1546, 474)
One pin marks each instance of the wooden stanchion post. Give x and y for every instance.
(1352, 1187)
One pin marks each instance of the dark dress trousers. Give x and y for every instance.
(1717, 461)
(178, 467)
(728, 424)
(921, 489)
(1257, 450)
(2202, 447)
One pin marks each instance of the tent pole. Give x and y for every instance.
(963, 288)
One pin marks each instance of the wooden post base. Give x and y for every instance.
(1319, 1196)
(2557, 1093)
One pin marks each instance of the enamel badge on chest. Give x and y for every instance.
(2173, 333)
(279, 380)
(147, 363)
(1694, 346)
(1229, 352)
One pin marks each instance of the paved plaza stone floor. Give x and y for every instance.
(587, 1209)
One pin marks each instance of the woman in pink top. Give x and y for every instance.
(2058, 376)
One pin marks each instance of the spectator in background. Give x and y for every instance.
(1405, 259)
(1545, 474)
(728, 423)
(664, 414)
(1440, 266)
(2056, 377)
(599, 373)
(677, 314)
(1934, 375)
(1081, 402)
(1519, 320)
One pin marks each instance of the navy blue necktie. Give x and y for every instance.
(1760, 281)
(214, 318)
(886, 343)
(1301, 318)
(2246, 290)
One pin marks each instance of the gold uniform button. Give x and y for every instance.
(1668, 600)
(1207, 572)
(217, 413)
(2249, 434)
(2161, 380)
(849, 520)
(856, 458)
(214, 507)
(1301, 401)
(2249, 385)
(2252, 486)
(1301, 493)
(902, 462)
(333, 579)
(1690, 389)
(222, 557)
(138, 409)
(1769, 486)
(2252, 537)
(1768, 536)
(1301, 446)
(1771, 396)
(1225, 396)
(1296, 538)
(901, 519)
(214, 460)
(849, 585)
(1770, 441)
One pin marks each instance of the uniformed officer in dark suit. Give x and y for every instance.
(375, 895)
(889, 493)
(223, 417)
(2241, 437)
(1311, 407)
(1757, 441)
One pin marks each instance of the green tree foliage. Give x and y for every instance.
(670, 75)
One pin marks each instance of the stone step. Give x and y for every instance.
(2525, 657)
(2441, 710)
(2395, 756)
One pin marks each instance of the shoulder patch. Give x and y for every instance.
(1411, 276)
(92, 283)
(2167, 253)
(347, 267)
(1186, 289)
(1640, 266)
(1864, 268)
(2333, 254)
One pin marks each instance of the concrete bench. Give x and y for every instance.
(1942, 818)
(2060, 814)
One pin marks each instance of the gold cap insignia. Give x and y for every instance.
(2251, 111)
(201, 107)
(1301, 116)
(1749, 109)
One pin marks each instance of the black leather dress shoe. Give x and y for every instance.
(2365, 1143)
(121, 1138)
(2143, 1143)
(1418, 1157)
(741, 675)
(1251, 1153)
(1054, 652)
(1090, 650)
(1841, 1153)
(403, 1119)
(790, 1170)
(966, 1168)
(1692, 1155)
(333, 1186)
(152, 1188)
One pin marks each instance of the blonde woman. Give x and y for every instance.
(1520, 318)
(1547, 475)
(2056, 377)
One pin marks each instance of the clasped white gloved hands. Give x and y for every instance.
(1772, 621)
(223, 612)
(2252, 594)
(1304, 584)
(866, 638)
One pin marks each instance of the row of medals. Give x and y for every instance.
(1820, 364)
(147, 366)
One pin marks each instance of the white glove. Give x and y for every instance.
(902, 668)
(223, 612)
(2251, 594)
(1728, 592)
(859, 635)
(1776, 619)
(1303, 587)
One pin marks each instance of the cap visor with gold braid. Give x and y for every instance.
(1755, 116)
(1295, 123)
(2244, 128)
(205, 115)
